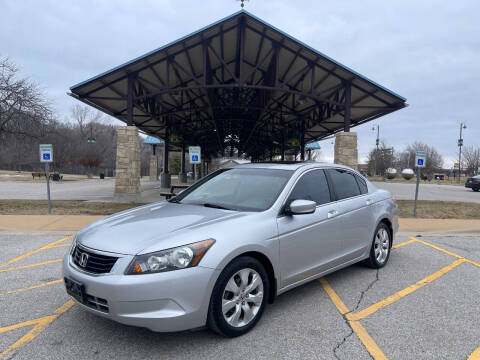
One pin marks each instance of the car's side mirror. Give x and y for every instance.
(301, 207)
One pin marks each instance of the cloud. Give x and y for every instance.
(427, 51)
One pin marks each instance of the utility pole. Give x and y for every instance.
(377, 142)
(460, 144)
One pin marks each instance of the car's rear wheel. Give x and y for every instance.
(239, 297)
(475, 189)
(381, 246)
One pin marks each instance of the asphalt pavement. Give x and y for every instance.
(422, 305)
(102, 190)
(406, 191)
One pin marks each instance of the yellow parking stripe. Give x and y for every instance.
(30, 265)
(446, 251)
(359, 330)
(9, 292)
(437, 248)
(402, 293)
(475, 355)
(403, 243)
(48, 246)
(39, 325)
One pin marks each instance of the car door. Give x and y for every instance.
(309, 243)
(355, 217)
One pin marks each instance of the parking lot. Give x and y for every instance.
(423, 305)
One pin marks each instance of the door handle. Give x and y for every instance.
(369, 201)
(332, 213)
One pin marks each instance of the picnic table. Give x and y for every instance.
(168, 195)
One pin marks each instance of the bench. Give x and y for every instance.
(172, 193)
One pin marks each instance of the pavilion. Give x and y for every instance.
(237, 87)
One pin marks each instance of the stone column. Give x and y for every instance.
(127, 172)
(346, 151)
(153, 174)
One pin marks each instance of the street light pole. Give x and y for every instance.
(460, 144)
(377, 142)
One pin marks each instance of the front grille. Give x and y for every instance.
(97, 303)
(93, 262)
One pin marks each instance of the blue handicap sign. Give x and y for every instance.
(194, 157)
(46, 156)
(420, 162)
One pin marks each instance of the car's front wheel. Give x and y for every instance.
(239, 297)
(381, 246)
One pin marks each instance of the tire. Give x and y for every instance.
(475, 189)
(381, 240)
(238, 298)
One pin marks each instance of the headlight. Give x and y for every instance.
(74, 243)
(171, 259)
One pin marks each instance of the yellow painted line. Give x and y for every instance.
(367, 341)
(39, 325)
(403, 243)
(402, 293)
(59, 246)
(30, 265)
(446, 251)
(437, 248)
(475, 355)
(359, 330)
(9, 292)
(48, 246)
(342, 308)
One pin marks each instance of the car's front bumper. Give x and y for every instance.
(171, 301)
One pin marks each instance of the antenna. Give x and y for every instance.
(242, 3)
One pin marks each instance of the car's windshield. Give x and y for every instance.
(237, 189)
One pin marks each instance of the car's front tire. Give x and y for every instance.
(381, 247)
(239, 297)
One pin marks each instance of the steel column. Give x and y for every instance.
(348, 106)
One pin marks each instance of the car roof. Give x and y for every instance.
(289, 165)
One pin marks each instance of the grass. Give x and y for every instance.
(425, 209)
(62, 207)
(439, 209)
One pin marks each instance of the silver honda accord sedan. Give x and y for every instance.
(220, 251)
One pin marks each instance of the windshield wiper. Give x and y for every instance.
(216, 206)
(174, 200)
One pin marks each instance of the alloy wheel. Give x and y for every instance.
(242, 297)
(381, 245)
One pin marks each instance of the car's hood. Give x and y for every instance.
(131, 231)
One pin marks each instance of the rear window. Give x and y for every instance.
(344, 183)
(362, 184)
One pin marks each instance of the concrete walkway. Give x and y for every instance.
(76, 222)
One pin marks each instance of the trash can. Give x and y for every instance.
(102, 176)
(56, 177)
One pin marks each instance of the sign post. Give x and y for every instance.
(195, 157)
(46, 156)
(420, 162)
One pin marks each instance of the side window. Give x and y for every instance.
(345, 183)
(362, 184)
(311, 186)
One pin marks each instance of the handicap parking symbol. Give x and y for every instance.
(420, 162)
(194, 157)
(46, 156)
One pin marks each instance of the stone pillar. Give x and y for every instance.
(153, 174)
(127, 173)
(182, 177)
(346, 151)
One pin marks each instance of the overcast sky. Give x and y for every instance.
(428, 51)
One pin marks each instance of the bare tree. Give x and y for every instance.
(23, 107)
(471, 159)
(434, 163)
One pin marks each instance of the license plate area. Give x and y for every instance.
(76, 290)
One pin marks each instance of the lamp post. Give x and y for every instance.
(460, 144)
(377, 142)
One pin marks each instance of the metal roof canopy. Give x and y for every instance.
(241, 84)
